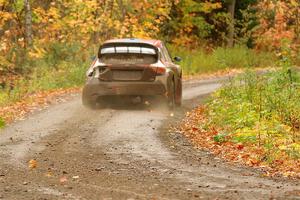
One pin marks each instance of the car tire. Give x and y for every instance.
(92, 104)
(178, 98)
(171, 96)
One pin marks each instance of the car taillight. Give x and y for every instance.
(160, 70)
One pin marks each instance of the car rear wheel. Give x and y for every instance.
(92, 104)
(178, 97)
(171, 96)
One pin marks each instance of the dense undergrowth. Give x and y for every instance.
(261, 112)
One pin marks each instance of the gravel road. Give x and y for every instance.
(123, 152)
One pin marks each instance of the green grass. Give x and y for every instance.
(42, 81)
(2, 123)
(198, 61)
(263, 110)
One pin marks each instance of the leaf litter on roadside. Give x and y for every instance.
(32, 102)
(32, 164)
(211, 138)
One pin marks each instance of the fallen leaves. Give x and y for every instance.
(32, 164)
(49, 174)
(243, 153)
(33, 102)
(240, 146)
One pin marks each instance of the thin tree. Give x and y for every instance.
(122, 9)
(28, 23)
(297, 23)
(231, 30)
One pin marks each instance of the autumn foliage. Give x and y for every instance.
(279, 21)
(186, 22)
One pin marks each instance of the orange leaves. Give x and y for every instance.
(32, 164)
(253, 162)
(195, 129)
(240, 146)
(209, 6)
(272, 31)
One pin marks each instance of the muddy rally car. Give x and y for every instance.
(133, 68)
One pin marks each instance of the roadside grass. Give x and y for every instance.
(200, 61)
(63, 66)
(2, 123)
(59, 70)
(69, 75)
(254, 119)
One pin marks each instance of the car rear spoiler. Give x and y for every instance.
(123, 44)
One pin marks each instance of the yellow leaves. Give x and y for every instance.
(79, 20)
(208, 7)
(32, 164)
(36, 52)
(49, 174)
(4, 63)
(5, 15)
(53, 13)
(295, 3)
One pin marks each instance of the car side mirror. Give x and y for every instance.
(177, 59)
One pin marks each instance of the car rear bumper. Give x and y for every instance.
(95, 88)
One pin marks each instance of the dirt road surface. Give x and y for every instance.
(122, 152)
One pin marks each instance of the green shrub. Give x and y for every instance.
(260, 109)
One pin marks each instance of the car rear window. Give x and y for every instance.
(128, 55)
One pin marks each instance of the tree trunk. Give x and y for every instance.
(122, 9)
(297, 24)
(28, 23)
(231, 12)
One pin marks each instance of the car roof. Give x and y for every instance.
(156, 43)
